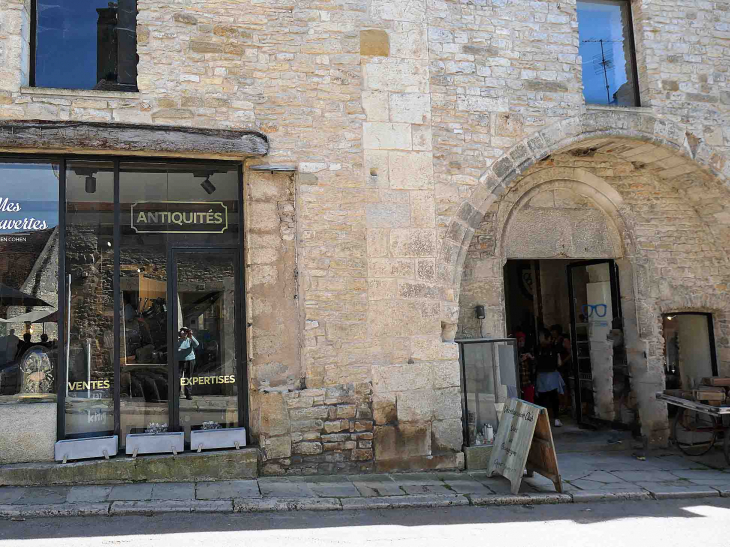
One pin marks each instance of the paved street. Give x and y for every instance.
(666, 523)
(587, 477)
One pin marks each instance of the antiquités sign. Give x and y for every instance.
(172, 217)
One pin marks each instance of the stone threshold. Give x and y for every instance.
(247, 505)
(186, 466)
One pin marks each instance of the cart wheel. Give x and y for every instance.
(726, 446)
(694, 432)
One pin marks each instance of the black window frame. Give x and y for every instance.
(710, 333)
(632, 47)
(238, 246)
(126, 88)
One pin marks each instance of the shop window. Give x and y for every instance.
(608, 53)
(84, 44)
(29, 253)
(89, 277)
(689, 349)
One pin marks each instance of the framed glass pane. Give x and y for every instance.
(86, 44)
(90, 291)
(206, 349)
(606, 47)
(145, 377)
(29, 253)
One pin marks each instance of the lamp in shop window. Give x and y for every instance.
(207, 185)
(90, 184)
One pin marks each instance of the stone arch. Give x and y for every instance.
(597, 190)
(639, 131)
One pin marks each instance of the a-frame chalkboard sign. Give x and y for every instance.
(524, 441)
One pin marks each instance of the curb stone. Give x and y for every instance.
(674, 494)
(151, 507)
(402, 502)
(255, 505)
(55, 510)
(587, 496)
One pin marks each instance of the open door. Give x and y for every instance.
(600, 376)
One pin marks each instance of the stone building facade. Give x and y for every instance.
(421, 131)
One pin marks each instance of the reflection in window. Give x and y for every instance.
(86, 44)
(29, 254)
(89, 278)
(604, 28)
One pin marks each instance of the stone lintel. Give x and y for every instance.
(129, 139)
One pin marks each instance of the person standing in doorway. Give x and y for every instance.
(549, 384)
(186, 345)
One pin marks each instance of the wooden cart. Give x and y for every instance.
(697, 426)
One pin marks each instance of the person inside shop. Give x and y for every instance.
(549, 384)
(528, 389)
(565, 363)
(556, 333)
(23, 346)
(186, 346)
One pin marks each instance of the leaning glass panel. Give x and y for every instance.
(90, 308)
(604, 29)
(29, 252)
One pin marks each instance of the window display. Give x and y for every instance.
(29, 253)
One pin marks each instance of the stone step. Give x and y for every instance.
(188, 466)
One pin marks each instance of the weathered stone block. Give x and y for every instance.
(374, 42)
(359, 454)
(277, 447)
(387, 136)
(384, 409)
(447, 435)
(410, 170)
(307, 448)
(336, 425)
(410, 108)
(415, 406)
(415, 242)
(402, 441)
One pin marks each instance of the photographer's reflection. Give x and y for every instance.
(186, 345)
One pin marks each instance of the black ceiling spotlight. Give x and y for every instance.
(207, 185)
(91, 184)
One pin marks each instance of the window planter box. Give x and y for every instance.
(207, 439)
(155, 443)
(84, 449)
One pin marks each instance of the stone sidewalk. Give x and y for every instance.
(587, 477)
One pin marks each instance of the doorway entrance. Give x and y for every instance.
(180, 354)
(579, 303)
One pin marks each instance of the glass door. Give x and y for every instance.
(601, 382)
(204, 316)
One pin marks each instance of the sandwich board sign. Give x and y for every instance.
(524, 441)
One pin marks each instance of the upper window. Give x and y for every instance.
(85, 44)
(607, 49)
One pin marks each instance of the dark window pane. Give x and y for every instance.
(28, 279)
(89, 278)
(78, 44)
(605, 46)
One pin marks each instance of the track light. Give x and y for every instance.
(207, 185)
(91, 184)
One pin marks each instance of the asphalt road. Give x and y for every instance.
(616, 524)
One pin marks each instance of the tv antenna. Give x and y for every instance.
(603, 62)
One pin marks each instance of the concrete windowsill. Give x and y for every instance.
(80, 93)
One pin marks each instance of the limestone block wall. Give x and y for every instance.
(398, 115)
